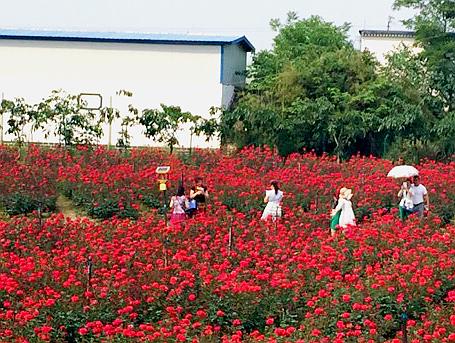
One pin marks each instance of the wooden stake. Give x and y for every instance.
(89, 271)
(404, 329)
(230, 240)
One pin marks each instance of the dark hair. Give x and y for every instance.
(416, 177)
(400, 161)
(275, 186)
(180, 191)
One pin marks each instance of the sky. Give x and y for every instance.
(230, 17)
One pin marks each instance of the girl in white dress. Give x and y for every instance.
(178, 205)
(273, 198)
(345, 206)
(406, 204)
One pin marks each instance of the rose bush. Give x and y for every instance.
(30, 183)
(226, 276)
(106, 183)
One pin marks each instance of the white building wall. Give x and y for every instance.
(228, 96)
(183, 75)
(381, 46)
(233, 61)
(234, 65)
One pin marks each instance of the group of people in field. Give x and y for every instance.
(183, 206)
(413, 199)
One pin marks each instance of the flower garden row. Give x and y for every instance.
(106, 183)
(227, 276)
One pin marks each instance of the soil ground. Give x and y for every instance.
(65, 206)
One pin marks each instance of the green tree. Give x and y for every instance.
(124, 140)
(313, 90)
(65, 116)
(434, 24)
(109, 114)
(163, 124)
(20, 114)
(208, 127)
(61, 114)
(275, 108)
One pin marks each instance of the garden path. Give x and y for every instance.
(65, 206)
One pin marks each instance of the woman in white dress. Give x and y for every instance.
(273, 198)
(406, 204)
(345, 206)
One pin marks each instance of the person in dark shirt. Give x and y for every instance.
(199, 193)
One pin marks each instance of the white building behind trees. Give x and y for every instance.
(382, 42)
(193, 72)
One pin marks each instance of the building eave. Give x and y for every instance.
(126, 37)
(387, 33)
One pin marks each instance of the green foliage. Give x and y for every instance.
(65, 116)
(151, 199)
(311, 37)
(73, 124)
(434, 24)
(61, 115)
(110, 208)
(208, 127)
(412, 151)
(109, 114)
(20, 114)
(19, 203)
(102, 205)
(163, 124)
(123, 142)
(314, 91)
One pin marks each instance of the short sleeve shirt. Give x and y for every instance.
(200, 198)
(274, 197)
(418, 193)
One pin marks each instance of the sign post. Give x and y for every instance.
(162, 177)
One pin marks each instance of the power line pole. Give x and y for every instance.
(389, 21)
(1, 122)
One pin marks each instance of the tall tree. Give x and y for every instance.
(434, 23)
(163, 124)
(313, 90)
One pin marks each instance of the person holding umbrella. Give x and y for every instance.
(406, 204)
(417, 191)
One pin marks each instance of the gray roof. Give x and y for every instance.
(387, 33)
(126, 37)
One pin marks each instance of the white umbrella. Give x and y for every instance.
(402, 172)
